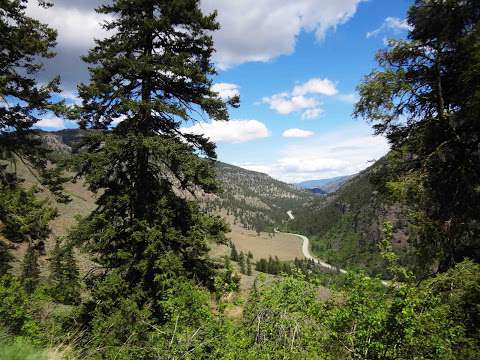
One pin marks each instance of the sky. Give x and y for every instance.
(295, 64)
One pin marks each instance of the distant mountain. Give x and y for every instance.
(327, 185)
(318, 191)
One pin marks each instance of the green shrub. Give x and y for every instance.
(15, 316)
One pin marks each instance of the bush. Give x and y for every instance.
(15, 315)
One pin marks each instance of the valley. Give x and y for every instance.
(255, 205)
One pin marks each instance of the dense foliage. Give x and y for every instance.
(23, 218)
(424, 98)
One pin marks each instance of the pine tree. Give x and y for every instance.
(262, 266)
(234, 253)
(241, 260)
(152, 75)
(30, 270)
(64, 275)
(5, 259)
(25, 41)
(424, 98)
(249, 266)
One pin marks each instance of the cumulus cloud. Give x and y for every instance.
(78, 25)
(251, 30)
(297, 133)
(312, 113)
(303, 98)
(285, 104)
(260, 30)
(339, 153)
(226, 91)
(315, 86)
(389, 24)
(230, 132)
(53, 123)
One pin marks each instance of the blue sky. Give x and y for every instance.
(295, 64)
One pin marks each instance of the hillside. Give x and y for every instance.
(251, 202)
(255, 200)
(346, 226)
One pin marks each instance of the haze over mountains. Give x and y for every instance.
(327, 186)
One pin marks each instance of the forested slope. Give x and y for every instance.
(346, 227)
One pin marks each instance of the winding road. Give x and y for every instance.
(308, 255)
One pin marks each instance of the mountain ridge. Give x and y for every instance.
(328, 185)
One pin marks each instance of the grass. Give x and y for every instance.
(19, 349)
(286, 247)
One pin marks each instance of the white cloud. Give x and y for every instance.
(77, 24)
(76, 27)
(285, 104)
(260, 30)
(51, 123)
(316, 86)
(390, 23)
(334, 154)
(312, 113)
(301, 98)
(230, 132)
(226, 91)
(297, 133)
(251, 30)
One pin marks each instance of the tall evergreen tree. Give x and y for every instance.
(30, 270)
(150, 76)
(241, 260)
(25, 41)
(234, 252)
(5, 259)
(249, 266)
(64, 274)
(425, 99)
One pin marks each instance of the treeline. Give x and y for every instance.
(274, 266)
